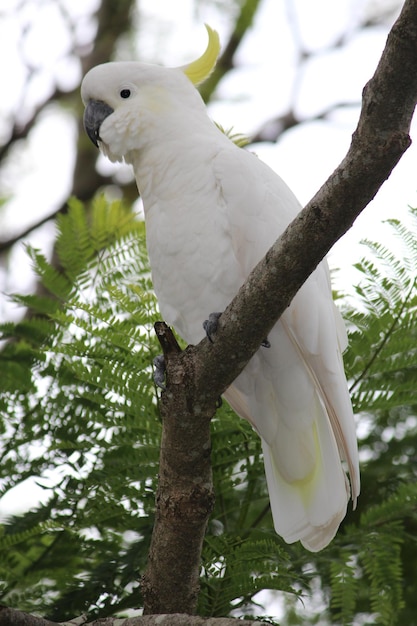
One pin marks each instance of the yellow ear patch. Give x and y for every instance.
(201, 68)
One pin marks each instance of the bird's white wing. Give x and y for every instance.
(295, 392)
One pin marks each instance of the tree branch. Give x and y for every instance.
(184, 499)
(113, 20)
(272, 129)
(197, 376)
(11, 617)
(226, 59)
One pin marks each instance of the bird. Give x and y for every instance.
(212, 210)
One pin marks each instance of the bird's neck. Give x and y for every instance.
(176, 159)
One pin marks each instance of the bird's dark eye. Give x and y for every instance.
(125, 93)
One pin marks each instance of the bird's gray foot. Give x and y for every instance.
(265, 343)
(159, 371)
(210, 325)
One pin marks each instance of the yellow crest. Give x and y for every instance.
(199, 70)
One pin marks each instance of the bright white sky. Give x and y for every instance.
(265, 82)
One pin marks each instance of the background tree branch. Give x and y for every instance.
(226, 59)
(113, 21)
(197, 376)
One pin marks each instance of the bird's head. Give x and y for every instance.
(128, 103)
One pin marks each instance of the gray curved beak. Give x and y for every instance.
(95, 113)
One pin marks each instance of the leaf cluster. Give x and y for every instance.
(79, 415)
(373, 564)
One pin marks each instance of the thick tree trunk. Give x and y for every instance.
(185, 498)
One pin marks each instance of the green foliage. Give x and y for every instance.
(369, 572)
(79, 412)
(344, 584)
(240, 140)
(85, 416)
(381, 358)
(374, 573)
(235, 569)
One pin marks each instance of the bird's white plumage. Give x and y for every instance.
(212, 211)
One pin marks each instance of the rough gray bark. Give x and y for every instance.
(199, 375)
(184, 500)
(11, 617)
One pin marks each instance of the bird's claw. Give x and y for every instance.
(159, 371)
(265, 343)
(210, 325)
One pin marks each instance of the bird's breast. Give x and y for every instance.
(194, 269)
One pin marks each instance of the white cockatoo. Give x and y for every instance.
(212, 210)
